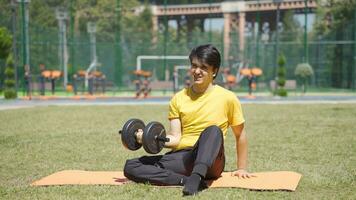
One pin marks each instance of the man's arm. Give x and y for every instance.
(174, 133)
(241, 151)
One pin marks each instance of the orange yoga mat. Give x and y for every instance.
(279, 180)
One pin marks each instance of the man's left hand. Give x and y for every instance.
(242, 173)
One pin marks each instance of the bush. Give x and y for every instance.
(304, 71)
(10, 83)
(9, 72)
(281, 77)
(281, 81)
(10, 92)
(281, 92)
(281, 72)
(281, 60)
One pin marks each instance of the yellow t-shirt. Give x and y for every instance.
(218, 107)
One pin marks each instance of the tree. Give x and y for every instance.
(332, 14)
(291, 27)
(5, 48)
(333, 22)
(5, 43)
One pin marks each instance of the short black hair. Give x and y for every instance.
(207, 54)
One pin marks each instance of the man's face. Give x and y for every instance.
(202, 73)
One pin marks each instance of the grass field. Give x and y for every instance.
(318, 141)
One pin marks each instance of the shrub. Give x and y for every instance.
(10, 92)
(281, 92)
(281, 81)
(9, 72)
(281, 76)
(304, 71)
(9, 83)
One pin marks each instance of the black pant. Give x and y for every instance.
(206, 158)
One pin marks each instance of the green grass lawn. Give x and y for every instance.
(318, 141)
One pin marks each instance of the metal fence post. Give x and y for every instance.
(25, 37)
(118, 53)
(14, 41)
(305, 32)
(354, 67)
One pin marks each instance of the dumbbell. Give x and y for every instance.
(135, 134)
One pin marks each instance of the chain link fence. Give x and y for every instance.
(331, 55)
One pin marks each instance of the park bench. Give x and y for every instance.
(37, 85)
(290, 84)
(161, 85)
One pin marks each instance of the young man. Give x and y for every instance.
(199, 118)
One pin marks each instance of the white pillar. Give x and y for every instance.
(242, 22)
(154, 29)
(62, 16)
(227, 30)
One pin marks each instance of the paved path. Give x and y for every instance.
(15, 104)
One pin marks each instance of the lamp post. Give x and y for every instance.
(258, 35)
(91, 28)
(62, 16)
(72, 40)
(264, 40)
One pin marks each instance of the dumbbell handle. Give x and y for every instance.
(162, 138)
(139, 137)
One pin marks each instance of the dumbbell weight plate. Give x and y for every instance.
(150, 133)
(128, 134)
